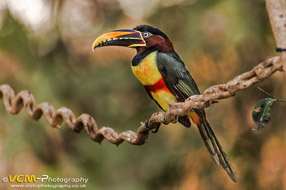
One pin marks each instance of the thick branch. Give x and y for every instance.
(277, 15)
(24, 99)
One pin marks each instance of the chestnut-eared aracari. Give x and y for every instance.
(166, 79)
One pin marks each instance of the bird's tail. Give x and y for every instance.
(215, 149)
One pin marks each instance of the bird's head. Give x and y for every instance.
(142, 37)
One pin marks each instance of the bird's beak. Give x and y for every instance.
(127, 38)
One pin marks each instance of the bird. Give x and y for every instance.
(167, 81)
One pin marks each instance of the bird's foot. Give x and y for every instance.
(148, 129)
(174, 121)
(214, 101)
(163, 119)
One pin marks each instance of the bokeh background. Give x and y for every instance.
(45, 47)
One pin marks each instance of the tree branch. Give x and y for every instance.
(277, 15)
(24, 99)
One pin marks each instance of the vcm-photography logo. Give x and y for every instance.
(42, 179)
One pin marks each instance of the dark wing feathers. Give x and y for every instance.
(177, 78)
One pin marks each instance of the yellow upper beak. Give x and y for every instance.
(127, 38)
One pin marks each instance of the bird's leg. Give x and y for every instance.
(148, 129)
(174, 121)
(163, 119)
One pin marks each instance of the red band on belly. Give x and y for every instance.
(159, 85)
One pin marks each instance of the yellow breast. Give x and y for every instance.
(148, 74)
(147, 71)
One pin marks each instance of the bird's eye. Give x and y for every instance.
(146, 34)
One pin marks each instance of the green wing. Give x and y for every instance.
(176, 77)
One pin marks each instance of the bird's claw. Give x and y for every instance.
(156, 130)
(148, 129)
(214, 101)
(163, 119)
(174, 121)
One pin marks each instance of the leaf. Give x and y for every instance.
(261, 112)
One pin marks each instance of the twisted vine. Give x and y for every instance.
(25, 100)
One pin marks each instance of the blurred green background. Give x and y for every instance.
(45, 47)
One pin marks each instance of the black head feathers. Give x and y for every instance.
(152, 30)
